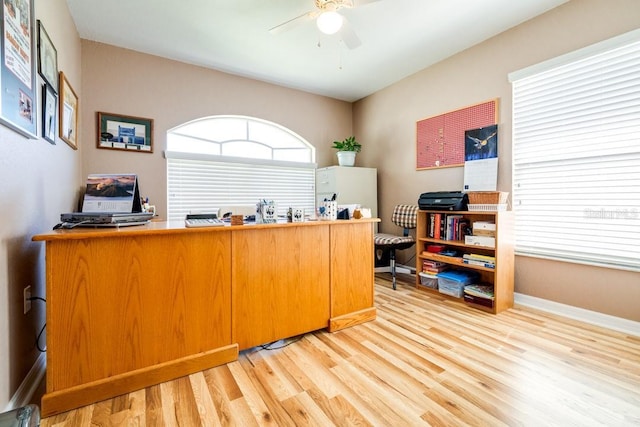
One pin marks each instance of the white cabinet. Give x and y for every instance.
(352, 185)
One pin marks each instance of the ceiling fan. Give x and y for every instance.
(328, 20)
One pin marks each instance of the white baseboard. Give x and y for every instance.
(593, 317)
(29, 385)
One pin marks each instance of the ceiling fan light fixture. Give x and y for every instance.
(329, 22)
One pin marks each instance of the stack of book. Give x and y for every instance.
(481, 260)
(479, 294)
(434, 267)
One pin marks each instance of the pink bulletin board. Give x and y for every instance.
(440, 139)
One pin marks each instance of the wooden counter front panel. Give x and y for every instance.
(116, 305)
(281, 283)
(352, 270)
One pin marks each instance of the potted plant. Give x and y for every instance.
(347, 150)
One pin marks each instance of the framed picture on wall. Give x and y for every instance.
(17, 68)
(49, 113)
(68, 113)
(47, 58)
(120, 132)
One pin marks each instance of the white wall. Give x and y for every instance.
(36, 178)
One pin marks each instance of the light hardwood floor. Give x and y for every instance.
(424, 361)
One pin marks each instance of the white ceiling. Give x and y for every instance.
(399, 37)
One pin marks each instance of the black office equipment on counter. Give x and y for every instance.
(444, 200)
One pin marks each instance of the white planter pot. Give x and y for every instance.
(346, 158)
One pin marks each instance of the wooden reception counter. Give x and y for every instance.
(135, 306)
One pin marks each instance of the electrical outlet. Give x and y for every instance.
(27, 299)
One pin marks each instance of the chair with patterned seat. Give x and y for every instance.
(405, 216)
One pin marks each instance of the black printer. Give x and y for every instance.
(444, 201)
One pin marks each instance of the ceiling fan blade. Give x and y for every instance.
(294, 22)
(358, 3)
(348, 36)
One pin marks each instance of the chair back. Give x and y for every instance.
(405, 216)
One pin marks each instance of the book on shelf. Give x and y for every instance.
(435, 270)
(480, 257)
(434, 267)
(481, 260)
(480, 291)
(437, 226)
(451, 227)
(433, 263)
(479, 263)
(444, 226)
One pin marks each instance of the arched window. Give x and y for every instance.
(221, 161)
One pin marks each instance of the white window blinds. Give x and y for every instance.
(229, 161)
(199, 185)
(576, 156)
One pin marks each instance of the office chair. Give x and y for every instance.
(405, 216)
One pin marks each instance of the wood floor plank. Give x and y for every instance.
(304, 411)
(425, 360)
(274, 376)
(168, 402)
(153, 406)
(204, 401)
(250, 394)
(370, 399)
(223, 390)
(338, 409)
(316, 370)
(266, 392)
(243, 415)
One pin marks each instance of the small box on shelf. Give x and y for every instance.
(429, 280)
(485, 241)
(452, 282)
(484, 228)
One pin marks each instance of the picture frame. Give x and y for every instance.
(68, 112)
(49, 113)
(127, 133)
(17, 69)
(47, 58)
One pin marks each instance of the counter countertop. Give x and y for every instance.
(167, 227)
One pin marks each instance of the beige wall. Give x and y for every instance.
(385, 123)
(126, 82)
(36, 177)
